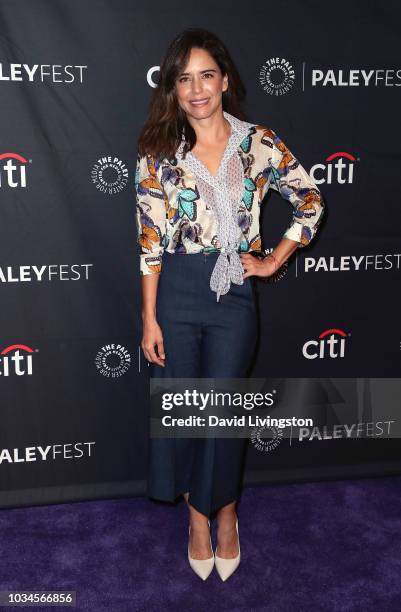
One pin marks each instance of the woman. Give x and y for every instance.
(202, 173)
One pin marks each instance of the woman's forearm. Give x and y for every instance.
(284, 249)
(149, 283)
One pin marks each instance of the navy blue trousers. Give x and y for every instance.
(203, 338)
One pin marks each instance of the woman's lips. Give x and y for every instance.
(200, 102)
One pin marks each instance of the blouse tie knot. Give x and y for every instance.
(228, 269)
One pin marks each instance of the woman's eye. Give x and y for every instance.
(206, 75)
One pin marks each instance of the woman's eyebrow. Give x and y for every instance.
(201, 71)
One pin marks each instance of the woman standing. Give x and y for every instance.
(202, 173)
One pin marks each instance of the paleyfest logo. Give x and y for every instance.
(55, 73)
(113, 360)
(110, 175)
(277, 76)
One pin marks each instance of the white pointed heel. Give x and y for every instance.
(202, 567)
(225, 567)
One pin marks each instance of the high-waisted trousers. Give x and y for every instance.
(202, 338)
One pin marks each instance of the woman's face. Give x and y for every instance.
(200, 86)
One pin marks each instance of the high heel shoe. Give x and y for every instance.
(225, 567)
(202, 567)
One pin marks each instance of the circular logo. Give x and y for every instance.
(277, 76)
(110, 175)
(113, 360)
(266, 438)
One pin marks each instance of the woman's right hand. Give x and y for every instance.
(152, 336)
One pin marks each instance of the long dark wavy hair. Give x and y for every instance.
(162, 131)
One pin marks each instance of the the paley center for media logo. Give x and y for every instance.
(113, 360)
(109, 175)
(277, 76)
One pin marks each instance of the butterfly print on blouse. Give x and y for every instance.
(151, 185)
(187, 232)
(247, 141)
(186, 200)
(150, 234)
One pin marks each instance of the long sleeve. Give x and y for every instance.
(151, 216)
(294, 184)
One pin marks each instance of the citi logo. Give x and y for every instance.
(331, 344)
(16, 359)
(12, 174)
(152, 76)
(339, 168)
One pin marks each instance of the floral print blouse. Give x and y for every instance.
(173, 214)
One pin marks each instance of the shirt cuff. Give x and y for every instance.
(294, 232)
(150, 264)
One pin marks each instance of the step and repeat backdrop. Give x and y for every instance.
(75, 83)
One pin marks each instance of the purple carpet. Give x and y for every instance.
(317, 546)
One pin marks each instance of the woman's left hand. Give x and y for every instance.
(257, 267)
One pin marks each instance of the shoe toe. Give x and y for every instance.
(202, 567)
(226, 567)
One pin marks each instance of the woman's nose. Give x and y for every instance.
(196, 86)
